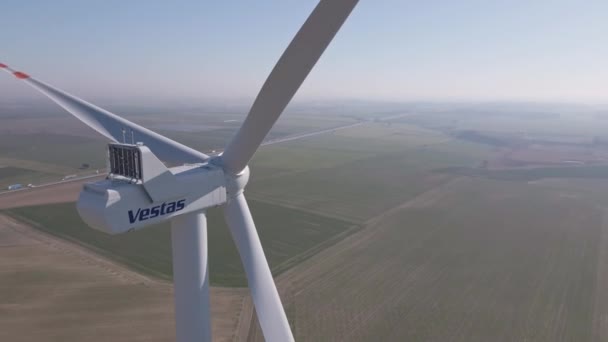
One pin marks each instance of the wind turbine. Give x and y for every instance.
(140, 190)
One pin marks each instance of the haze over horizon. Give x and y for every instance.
(389, 50)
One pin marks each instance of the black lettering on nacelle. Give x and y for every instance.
(143, 214)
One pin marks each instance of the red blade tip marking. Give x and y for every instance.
(21, 75)
(3, 65)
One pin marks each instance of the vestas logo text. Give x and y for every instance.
(159, 210)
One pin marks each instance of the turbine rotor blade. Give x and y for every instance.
(265, 296)
(113, 126)
(288, 74)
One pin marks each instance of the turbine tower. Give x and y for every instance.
(141, 190)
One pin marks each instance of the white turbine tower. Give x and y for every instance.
(140, 190)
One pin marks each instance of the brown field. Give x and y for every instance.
(52, 290)
(471, 260)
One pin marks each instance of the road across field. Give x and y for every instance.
(311, 134)
(331, 130)
(66, 181)
(58, 192)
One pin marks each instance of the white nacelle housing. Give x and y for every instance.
(141, 190)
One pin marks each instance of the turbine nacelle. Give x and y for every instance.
(140, 190)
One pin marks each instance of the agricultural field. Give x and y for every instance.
(533, 174)
(48, 157)
(53, 144)
(360, 177)
(65, 150)
(434, 225)
(558, 123)
(288, 235)
(473, 260)
(490, 252)
(62, 192)
(52, 290)
(17, 175)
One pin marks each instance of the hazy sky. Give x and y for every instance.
(387, 50)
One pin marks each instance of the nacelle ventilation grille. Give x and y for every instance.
(125, 160)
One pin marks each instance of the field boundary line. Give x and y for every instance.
(366, 232)
(87, 253)
(304, 210)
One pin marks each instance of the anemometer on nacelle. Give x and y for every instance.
(141, 190)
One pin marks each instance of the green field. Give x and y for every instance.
(64, 151)
(47, 157)
(481, 260)
(358, 178)
(288, 236)
(305, 194)
(62, 142)
(18, 175)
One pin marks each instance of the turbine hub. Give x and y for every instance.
(235, 183)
